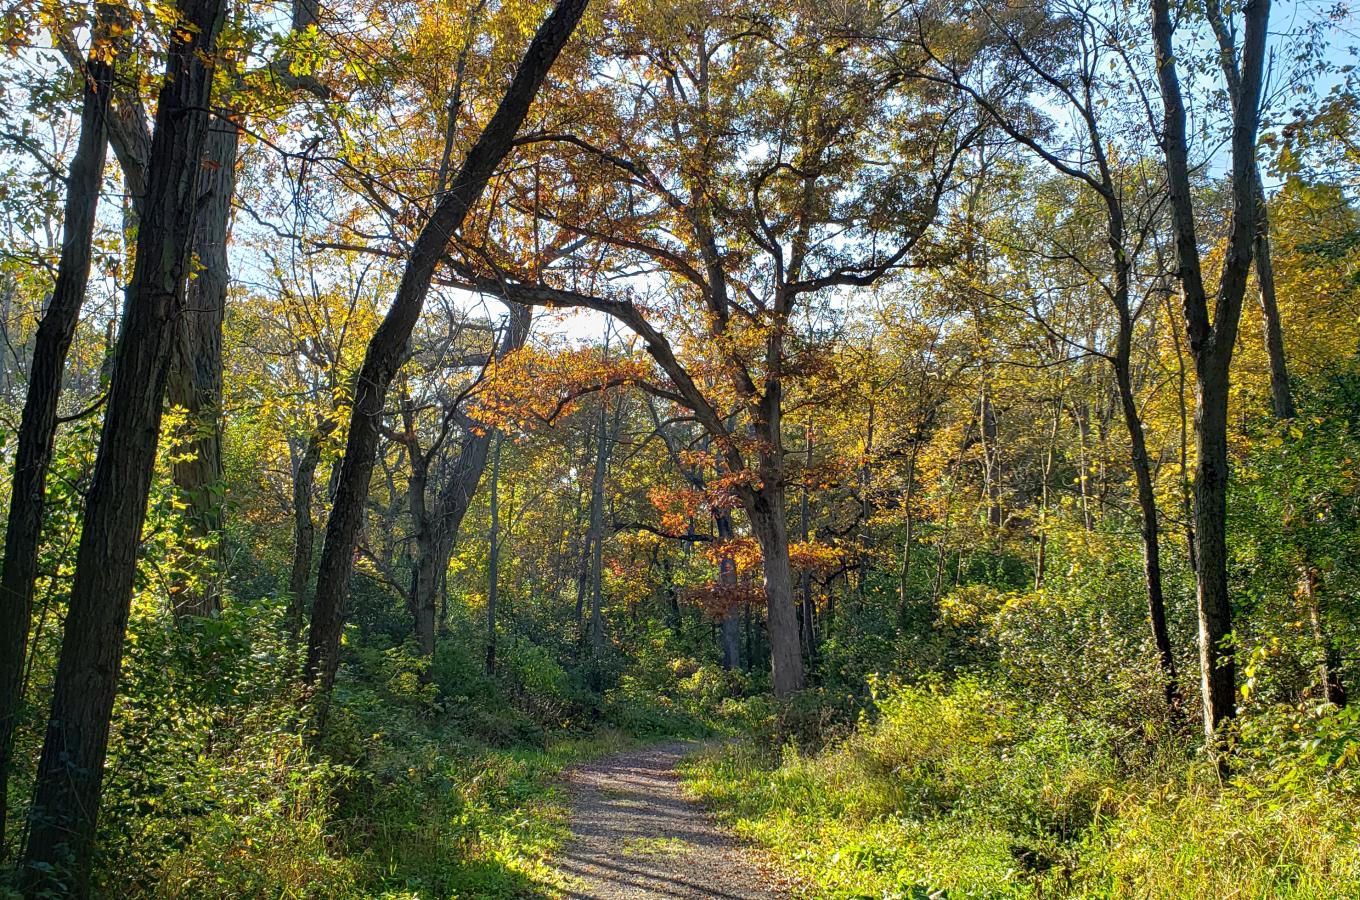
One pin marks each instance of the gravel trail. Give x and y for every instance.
(636, 835)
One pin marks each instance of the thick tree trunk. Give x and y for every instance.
(769, 522)
(388, 345)
(195, 382)
(1218, 668)
(38, 424)
(71, 769)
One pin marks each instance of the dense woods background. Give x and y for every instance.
(954, 403)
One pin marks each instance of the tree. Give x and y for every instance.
(1212, 340)
(38, 425)
(1074, 71)
(70, 772)
(752, 204)
(388, 345)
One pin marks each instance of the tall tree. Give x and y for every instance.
(1281, 395)
(735, 201)
(436, 525)
(1078, 68)
(388, 345)
(38, 424)
(1212, 340)
(70, 772)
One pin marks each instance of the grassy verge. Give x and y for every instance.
(959, 793)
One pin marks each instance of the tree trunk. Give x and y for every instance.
(729, 630)
(388, 345)
(304, 530)
(1329, 657)
(493, 560)
(1281, 396)
(71, 769)
(38, 424)
(1212, 340)
(195, 382)
(437, 532)
(602, 443)
(1218, 668)
(1148, 526)
(770, 524)
(804, 517)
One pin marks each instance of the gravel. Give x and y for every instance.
(636, 835)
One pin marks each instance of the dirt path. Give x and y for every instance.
(635, 835)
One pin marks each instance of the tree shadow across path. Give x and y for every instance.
(635, 835)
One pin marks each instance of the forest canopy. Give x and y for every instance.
(952, 404)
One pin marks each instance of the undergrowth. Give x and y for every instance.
(960, 791)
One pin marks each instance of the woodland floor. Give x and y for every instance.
(636, 835)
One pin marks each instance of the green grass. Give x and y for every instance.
(959, 793)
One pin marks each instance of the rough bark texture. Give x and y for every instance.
(195, 382)
(388, 345)
(70, 771)
(1211, 342)
(770, 526)
(38, 424)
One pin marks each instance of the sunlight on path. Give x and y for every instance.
(635, 835)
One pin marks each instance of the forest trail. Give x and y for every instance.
(636, 835)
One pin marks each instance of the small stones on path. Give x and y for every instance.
(636, 836)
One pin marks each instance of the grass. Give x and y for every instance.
(959, 793)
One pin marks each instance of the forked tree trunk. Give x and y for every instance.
(1212, 340)
(38, 423)
(388, 346)
(437, 530)
(71, 768)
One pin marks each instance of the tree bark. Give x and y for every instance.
(38, 423)
(304, 529)
(493, 559)
(1329, 656)
(195, 382)
(770, 525)
(437, 532)
(729, 628)
(1281, 395)
(1148, 524)
(596, 538)
(388, 345)
(1211, 342)
(71, 768)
